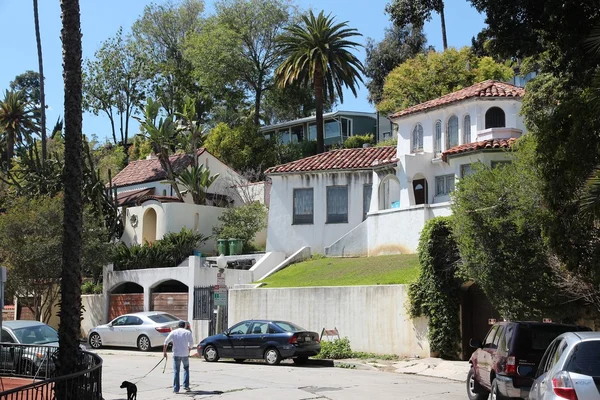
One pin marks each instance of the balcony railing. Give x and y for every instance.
(39, 364)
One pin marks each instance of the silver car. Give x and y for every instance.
(569, 369)
(143, 330)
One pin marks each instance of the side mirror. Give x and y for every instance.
(475, 343)
(227, 332)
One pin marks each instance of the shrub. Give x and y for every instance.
(90, 287)
(338, 349)
(357, 141)
(242, 222)
(388, 142)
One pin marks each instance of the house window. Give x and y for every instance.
(332, 128)
(297, 134)
(367, 190)
(466, 170)
(495, 118)
(284, 136)
(303, 206)
(467, 129)
(417, 138)
(444, 185)
(346, 126)
(499, 164)
(337, 204)
(438, 137)
(452, 134)
(312, 132)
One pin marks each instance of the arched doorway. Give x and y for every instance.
(125, 298)
(389, 193)
(149, 226)
(420, 189)
(172, 297)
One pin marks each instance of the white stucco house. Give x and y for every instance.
(385, 195)
(151, 209)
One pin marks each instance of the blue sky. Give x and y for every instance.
(101, 19)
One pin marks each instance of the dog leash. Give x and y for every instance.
(153, 368)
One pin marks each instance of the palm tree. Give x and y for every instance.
(17, 120)
(196, 181)
(41, 67)
(70, 286)
(316, 52)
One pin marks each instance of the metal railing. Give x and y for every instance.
(39, 363)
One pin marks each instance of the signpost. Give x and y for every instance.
(220, 290)
(2, 280)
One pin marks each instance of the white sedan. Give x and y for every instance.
(143, 330)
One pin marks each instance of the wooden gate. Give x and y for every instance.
(172, 303)
(124, 304)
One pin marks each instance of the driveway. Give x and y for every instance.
(255, 380)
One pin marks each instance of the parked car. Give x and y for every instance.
(143, 330)
(261, 339)
(570, 368)
(505, 363)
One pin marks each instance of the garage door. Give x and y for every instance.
(124, 304)
(173, 303)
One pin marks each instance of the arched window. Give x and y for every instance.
(452, 134)
(438, 137)
(495, 118)
(467, 129)
(417, 138)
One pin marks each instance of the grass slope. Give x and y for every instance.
(382, 270)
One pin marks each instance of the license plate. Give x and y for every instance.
(307, 339)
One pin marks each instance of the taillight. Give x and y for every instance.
(164, 329)
(563, 387)
(511, 365)
(317, 339)
(293, 340)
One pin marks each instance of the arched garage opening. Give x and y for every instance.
(170, 296)
(125, 298)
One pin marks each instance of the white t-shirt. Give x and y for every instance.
(182, 342)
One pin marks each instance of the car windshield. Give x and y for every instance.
(585, 359)
(288, 326)
(163, 318)
(37, 334)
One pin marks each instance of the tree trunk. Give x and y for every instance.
(41, 67)
(10, 147)
(70, 285)
(319, 109)
(444, 40)
(259, 90)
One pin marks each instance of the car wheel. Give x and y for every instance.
(300, 360)
(495, 392)
(211, 354)
(239, 360)
(272, 356)
(95, 341)
(143, 343)
(474, 389)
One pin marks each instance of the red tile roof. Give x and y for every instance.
(485, 89)
(361, 158)
(490, 144)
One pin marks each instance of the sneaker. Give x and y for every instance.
(187, 389)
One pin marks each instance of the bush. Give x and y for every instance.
(388, 142)
(357, 141)
(171, 250)
(338, 349)
(90, 288)
(242, 222)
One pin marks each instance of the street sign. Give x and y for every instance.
(221, 298)
(220, 289)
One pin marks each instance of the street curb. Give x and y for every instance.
(356, 365)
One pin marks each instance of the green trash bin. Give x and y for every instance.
(235, 247)
(222, 246)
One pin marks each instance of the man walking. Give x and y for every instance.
(182, 343)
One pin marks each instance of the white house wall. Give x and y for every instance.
(285, 237)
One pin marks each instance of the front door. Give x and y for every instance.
(420, 191)
(256, 339)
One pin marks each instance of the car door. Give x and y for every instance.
(553, 354)
(236, 340)
(131, 330)
(256, 339)
(6, 351)
(114, 334)
(484, 357)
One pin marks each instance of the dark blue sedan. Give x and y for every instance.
(270, 340)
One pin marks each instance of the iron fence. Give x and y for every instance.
(40, 364)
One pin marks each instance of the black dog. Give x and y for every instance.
(131, 390)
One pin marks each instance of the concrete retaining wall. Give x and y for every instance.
(374, 318)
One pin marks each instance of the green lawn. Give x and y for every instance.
(382, 270)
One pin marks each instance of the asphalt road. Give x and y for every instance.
(255, 380)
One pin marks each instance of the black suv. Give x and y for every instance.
(505, 363)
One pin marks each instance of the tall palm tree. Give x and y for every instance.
(41, 67)
(316, 51)
(17, 120)
(70, 286)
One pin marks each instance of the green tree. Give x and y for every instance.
(316, 52)
(416, 12)
(38, 41)
(398, 45)
(196, 180)
(70, 283)
(17, 121)
(237, 47)
(29, 83)
(193, 117)
(290, 103)
(159, 35)
(242, 222)
(428, 76)
(114, 84)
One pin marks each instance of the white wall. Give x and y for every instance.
(93, 312)
(283, 236)
(374, 318)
